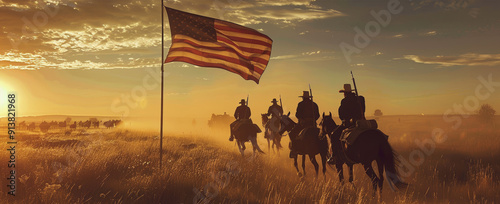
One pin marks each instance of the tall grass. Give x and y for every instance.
(121, 166)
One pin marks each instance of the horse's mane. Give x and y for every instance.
(288, 119)
(328, 124)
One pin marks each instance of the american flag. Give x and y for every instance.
(209, 42)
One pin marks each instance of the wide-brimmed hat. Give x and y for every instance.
(243, 102)
(274, 101)
(347, 88)
(305, 94)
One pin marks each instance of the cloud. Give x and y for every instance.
(30, 61)
(106, 37)
(398, 36)
(95, 34)
(443, 4)
(308, 3)
(284, 14)
(431, 33)
(470, 59)
(358, 65)
(304, 32)
(306, 56)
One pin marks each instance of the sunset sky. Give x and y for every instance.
(86, 57)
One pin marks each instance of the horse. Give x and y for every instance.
(247, 131)
(271, 132)
(311, 144)
(370, 146)
(116, 123)
(31, 126)
(73, 126)
(328, 125)
(22, 125)
(109, 124)
(87, 124)
(44, 127)
(62, 124)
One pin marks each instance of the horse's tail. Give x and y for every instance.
(389, 159)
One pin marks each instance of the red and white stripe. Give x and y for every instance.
(238, 49)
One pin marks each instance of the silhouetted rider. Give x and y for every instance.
(242, 112)
(351, 108)
(307, 113)
(276, 111)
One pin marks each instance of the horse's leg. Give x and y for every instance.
(340, 171)
(254, 149)
(304, 164)
(351, 175)
(272, 146)
(296, 166)
(253, 140)
(276, 141)
(268, 145)
(380, 167)
(315, 163)
(369, 171)
(323, 162)
(239, 148)
(243, 146)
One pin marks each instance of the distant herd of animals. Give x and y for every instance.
(45, 126)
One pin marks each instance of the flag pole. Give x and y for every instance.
(161, 105)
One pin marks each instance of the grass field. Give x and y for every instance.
(121, 166)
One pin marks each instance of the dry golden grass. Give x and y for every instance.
(121, 166)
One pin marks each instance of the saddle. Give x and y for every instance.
(244, 123)
(303, 133)
(350, 135)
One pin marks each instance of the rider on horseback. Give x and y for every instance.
(276, 111)
(307, 113)
(352, 109)
(242, 115)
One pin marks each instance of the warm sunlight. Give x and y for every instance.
(3, 98)
(203, 101)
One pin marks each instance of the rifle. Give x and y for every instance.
(354, 82)
(357, 97)
(281, 103)
(312, 104)
(247, 98)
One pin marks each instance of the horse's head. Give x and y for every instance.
(264, 118)
(287, 124)
(327, 124)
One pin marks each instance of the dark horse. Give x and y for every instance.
(370, 146)
(247, 132)
(272, 127)
(311, 144)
